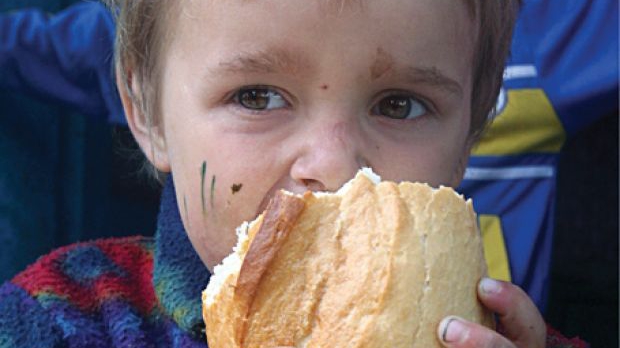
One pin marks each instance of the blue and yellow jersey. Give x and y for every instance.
(562, 76)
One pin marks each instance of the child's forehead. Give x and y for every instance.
(237, 37)
(326, 7)
(376, 13)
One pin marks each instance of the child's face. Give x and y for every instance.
(297, 94)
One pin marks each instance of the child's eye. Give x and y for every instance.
(260, 98)
(400, 107)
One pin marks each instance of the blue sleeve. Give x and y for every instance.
(24, 322)
(575, 49)
(65, 58)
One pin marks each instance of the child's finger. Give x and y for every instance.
(518, 315)
(455, 332)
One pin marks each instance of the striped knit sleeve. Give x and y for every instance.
(23, 322)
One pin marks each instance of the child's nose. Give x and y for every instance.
(329, 157)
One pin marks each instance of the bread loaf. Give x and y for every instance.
(376, 264)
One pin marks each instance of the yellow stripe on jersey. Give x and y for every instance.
(528, 124)
(494, 247)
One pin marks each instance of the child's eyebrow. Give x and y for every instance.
(275, 60)
(281, 60)
(431, 76)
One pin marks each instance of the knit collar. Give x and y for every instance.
(179, 276)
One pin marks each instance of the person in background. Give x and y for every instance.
(65, 58)
(562, 75)
(61, 122)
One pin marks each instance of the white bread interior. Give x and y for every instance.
(377, 264)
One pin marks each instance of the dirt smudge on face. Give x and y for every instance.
(236, 188)
(383, 64)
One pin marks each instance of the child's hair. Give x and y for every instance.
(141, 39)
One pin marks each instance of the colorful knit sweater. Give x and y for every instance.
(130, 292)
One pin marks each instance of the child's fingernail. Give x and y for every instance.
(490, 286)
(452, 329)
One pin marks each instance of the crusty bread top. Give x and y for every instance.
(278, 220)
(375, 265)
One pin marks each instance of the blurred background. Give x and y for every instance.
(65, 177)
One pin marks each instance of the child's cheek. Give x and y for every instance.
(212, 207)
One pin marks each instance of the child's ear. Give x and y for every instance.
(148, 133)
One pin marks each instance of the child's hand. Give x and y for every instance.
(522, 324)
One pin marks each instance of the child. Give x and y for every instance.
(237, 99)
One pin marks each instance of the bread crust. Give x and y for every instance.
(278, 221)
(379, 265)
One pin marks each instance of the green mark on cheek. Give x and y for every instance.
(185, 208)
(212, 189)
(203, 173)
